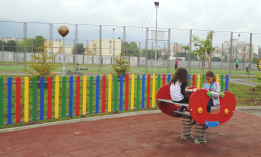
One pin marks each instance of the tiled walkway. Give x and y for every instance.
(144, 135)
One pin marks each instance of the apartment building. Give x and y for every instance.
(107, 47)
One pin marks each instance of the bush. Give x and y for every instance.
(258, 77)
(121, 66)
(41, 66)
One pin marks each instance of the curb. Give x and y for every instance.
(80, 120)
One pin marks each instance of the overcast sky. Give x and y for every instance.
(218, 15)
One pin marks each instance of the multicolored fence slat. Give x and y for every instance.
(18, 99)
(49, 112)
(26, 95)
(143, 92)
(130, 96)
(77, 96)
(71, 97)
(121, 93)
(127, 93)
(138, 92)
(64, 97)
(222, 84)
(115, 93)
(9, 100)
(109, 93)
(84, 87)
(132, 91)
(34, 99)
(103, 92)
(148, 91)
(42, 98)
(97, 93)
(91, 95)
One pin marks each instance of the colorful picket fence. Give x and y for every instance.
(123, 105)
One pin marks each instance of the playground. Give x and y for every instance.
(154, 134)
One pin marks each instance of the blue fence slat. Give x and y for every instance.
(9, 100)
(227, 80)
(189, 80)
(42, 99)
(97, 93)
(143, 91)
(71, 97)
(168, 78)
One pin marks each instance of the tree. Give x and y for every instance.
(10, 46)
(121, 66)
(216, 59)
(203, 47)
(131, 49)
(78, 49)
(151, 54)
(41, 67)
(37, 44)
(254, 60)
(1, 44)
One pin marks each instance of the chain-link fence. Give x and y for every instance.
(98, 45)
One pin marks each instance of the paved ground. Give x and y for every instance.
(143, 135)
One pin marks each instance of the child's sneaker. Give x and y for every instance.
(181, 109)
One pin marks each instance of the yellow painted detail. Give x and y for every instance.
(84, 95)
(26, 86)
(200, 110)
(109, 94)
(132, 91)
(226, 111)
(153, 90)
(56, 114)
(198, 83)
(217, 78)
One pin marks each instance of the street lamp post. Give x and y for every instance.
(142, 36)
(156, 6)
(113, 46)
(63, 31)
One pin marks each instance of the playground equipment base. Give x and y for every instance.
(186, 133)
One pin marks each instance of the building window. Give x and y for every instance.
(94, 49)
(110, 51)
(94, 45)
(110, 41)
(110, 46)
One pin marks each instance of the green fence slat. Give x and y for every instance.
(158, 81)
(91, 94)
(115, 93)
(1, 101)
(64, 97)
(34, 98)
(138, 92)
(222, 79)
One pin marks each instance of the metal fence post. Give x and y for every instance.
(169, 31)
(100, 49)
(230, 51)
(151, 55)
(124, 49)
(250, 54)
(2, 50)
(190, 49)
(139, 55)
(222, 56)
(146, 51)
(25, 39)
